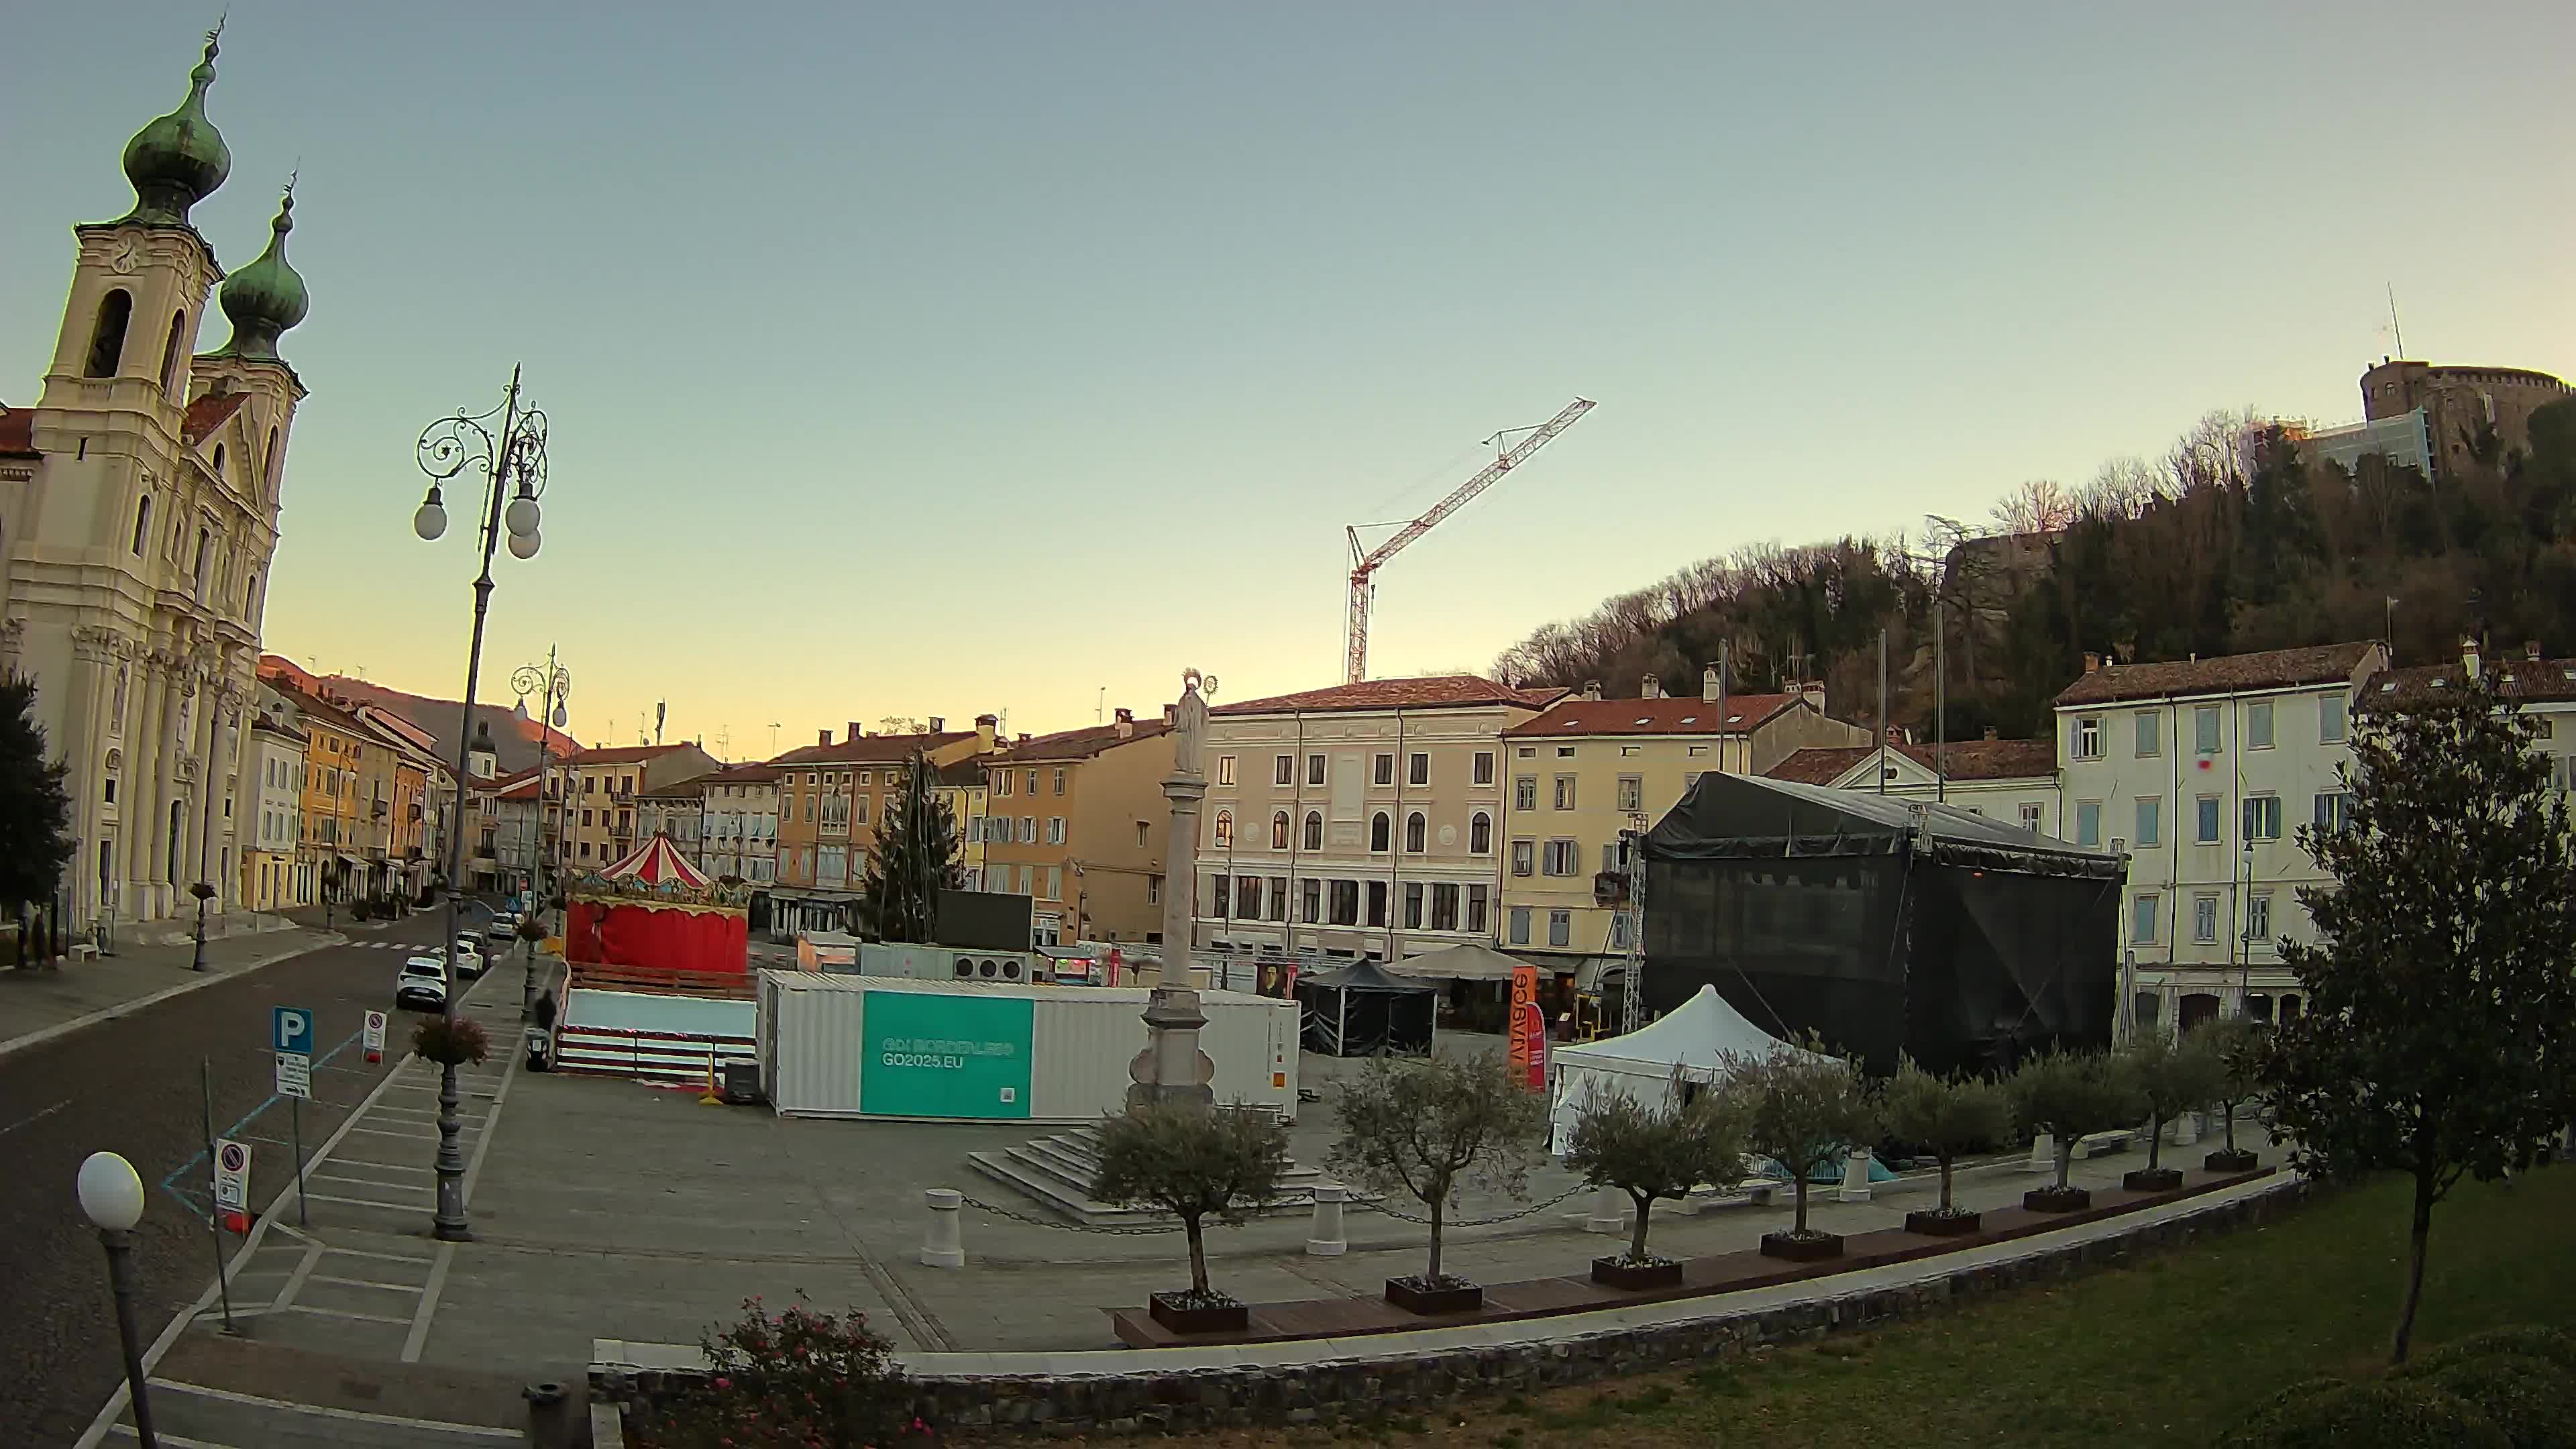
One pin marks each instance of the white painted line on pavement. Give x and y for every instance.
(380, 1257)
(355, 1416)
(38, 1117)
(344, 1313)
(427, 1308)
(295, 1280)
(367, 1283)
(400, 1207)
(175, 1441)
(115, 1406)
(39, 1037)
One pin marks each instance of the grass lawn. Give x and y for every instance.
(2167, 1351)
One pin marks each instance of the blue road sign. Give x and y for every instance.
(291, 1030)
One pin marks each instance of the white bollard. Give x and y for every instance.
(942, 1248)
(2043, 1155)
(1324, 1237)
(1855, 1186)
(1609, 1212)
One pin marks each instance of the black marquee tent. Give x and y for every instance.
(1360, 1011)
(1887, 925)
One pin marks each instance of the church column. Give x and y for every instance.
(143, 809)
(84, 746)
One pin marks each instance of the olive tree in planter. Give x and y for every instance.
(2069, 1095)
(1948, 1118)
(1426, 1127)
(1195, 1162)
(2172, 1077)
(2237, 1042)
(1650, 1153)
(1802, 1109)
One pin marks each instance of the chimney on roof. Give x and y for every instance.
(939, 724)
(1710, 686)
(1813, 692)
(1650, 688)
(1990, 732)
(1024, 737)
(1126, 724)
(1170, 712)
(1592, 689)
(2531, 650)
(2469, 656)
(822, 737)
(985, 724)
(855, 733)
(2092, 663)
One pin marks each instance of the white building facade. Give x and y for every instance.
(2201, 772)
(138, 516)
(1357, 821)
(272, 879)
(739, 837)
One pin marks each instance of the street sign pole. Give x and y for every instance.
(295, 1115)
(206, 1081)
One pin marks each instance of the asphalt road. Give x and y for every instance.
(132, 1086)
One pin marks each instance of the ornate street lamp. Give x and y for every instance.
(513, 464)
(555, 682)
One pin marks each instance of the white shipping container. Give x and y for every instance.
(815, 1049)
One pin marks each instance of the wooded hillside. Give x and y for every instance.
(2232, 541)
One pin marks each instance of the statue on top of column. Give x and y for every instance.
(1189, 724)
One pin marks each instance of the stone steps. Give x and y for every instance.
(1056, 1173)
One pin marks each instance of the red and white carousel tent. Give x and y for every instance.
(656, 911)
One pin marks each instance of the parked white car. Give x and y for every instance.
(469, 959)
(421, 985)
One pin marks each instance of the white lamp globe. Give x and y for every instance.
(431, 520)
(111, 1196)
(521, 515)
(524, 545)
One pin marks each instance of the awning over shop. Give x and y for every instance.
(1468, 962)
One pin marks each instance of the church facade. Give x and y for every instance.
(138, 517)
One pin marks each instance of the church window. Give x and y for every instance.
(250, 595)
(142, 523)
(219, 462)
(107, 340)
(205, 548)
(268, 464)
(170, 353)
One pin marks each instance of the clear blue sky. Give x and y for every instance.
(932, 359)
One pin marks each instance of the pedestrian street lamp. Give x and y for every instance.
(513, 464)
(111, 1197)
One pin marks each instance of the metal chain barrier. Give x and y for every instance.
(1381, 1207)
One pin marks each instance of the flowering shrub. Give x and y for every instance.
(451, 1043)
(798, 1380)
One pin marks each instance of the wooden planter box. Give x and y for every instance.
(2152, 1179)
(1637, 1277)
(1410, 1296)
(2223, 1160)
(2056, 1200)
(1802, 1250)
(1939, 1224)
(1198, 1317)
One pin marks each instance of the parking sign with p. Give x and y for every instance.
(291, 1030)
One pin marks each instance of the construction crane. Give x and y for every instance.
(1365, 561)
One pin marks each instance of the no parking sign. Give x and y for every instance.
(232, 1176)
(375, 1036)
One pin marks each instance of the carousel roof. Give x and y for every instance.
(657, 862)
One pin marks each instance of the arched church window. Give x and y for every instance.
(170, 353)
(219, 462)
(268, 463)
(205, 548)
(107, 339)
(142, 523)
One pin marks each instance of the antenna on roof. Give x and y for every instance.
(2398, 331)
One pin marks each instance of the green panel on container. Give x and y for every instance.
(930, 1054)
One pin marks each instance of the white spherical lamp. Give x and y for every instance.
(111, 1195)
(524, 545)
(431, 520)
(521, 515)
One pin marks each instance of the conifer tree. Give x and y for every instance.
(35, 811)
(915, 857)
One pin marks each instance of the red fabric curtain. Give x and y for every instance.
(670, 940)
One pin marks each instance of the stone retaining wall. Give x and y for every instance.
(1399, 1381)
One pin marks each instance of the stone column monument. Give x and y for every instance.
(1171, 1067)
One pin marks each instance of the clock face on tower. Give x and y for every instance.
(128, 255)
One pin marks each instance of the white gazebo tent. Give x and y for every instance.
(1693, 1041)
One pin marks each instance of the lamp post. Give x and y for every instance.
(111, 1197)
(553, 713)
(515, 458)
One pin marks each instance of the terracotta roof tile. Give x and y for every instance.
(755, 773)
(18, 434)
(2226, 674)
(1081, 744)
(2522, 677)
(209, 413)
(624, 754)
(871, 749)
(1692, 716)
(1967, 760)
(1442, 691)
